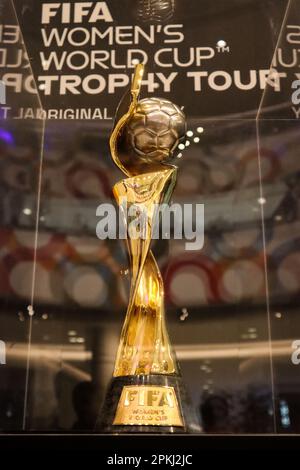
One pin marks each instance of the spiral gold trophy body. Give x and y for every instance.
(146, 393)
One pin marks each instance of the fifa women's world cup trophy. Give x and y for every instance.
(146, 393)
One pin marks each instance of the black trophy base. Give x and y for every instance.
(110, 423)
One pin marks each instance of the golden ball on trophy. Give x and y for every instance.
(155, 130)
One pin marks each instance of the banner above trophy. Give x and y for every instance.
(226, 53)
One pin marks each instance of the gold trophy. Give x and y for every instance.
(146, 393)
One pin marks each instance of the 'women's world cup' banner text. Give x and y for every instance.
(222, 52)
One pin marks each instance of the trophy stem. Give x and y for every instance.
(144, 346)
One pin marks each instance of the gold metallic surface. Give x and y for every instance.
(144, 346)
(148, 405)
(135, 91)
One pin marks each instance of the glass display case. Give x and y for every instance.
(231, 302)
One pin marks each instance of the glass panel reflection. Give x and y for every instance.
(20, 151)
